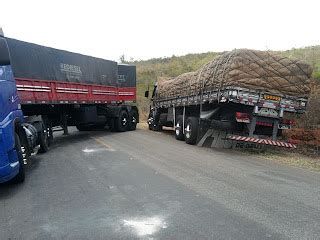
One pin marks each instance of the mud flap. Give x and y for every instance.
(214, 138)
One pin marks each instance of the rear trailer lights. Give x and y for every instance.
(243, 117)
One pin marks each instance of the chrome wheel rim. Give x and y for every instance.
(188, 131)
(124, 121)
(178, 129)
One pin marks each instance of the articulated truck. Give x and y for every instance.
(44, 89)
(243, 98)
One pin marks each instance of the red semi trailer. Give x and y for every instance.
(69, 89)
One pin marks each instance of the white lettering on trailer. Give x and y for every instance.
(64, 67)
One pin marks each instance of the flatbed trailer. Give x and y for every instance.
(227, 117)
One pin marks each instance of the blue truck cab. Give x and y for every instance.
(11, 119)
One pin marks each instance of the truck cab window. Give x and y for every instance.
(4, 53)
(154, 91)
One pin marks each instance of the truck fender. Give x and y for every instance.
(31, 134)
(19, 130)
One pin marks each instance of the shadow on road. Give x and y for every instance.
(8, 189)
(77, 137)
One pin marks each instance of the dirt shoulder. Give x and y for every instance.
(293, 159)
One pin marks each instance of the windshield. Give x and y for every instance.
(4, 53)
(6, 87)
(154, 91)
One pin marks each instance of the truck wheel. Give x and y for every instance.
(157, 127)
(19, 178)
(44, 142)
(178, 129)
(133, 120)
(122, 121)
(191, 130)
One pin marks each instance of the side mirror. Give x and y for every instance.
(4, 52)
(146, 94)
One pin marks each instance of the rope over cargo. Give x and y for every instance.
(251, 69)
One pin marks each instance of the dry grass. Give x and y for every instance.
(143, 125)
(293, 159)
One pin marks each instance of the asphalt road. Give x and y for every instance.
(147, 185)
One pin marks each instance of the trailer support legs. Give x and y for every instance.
(183, 119)
(252, 126)
(275, 130)
(174, 117)
(65, 124)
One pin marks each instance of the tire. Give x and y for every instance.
(20, 177)
(178, 129)
(44, 142)
(133, 120)
(157, 127)
(150, 126)
(122, 121)
(191, 130)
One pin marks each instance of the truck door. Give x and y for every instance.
(8, 90)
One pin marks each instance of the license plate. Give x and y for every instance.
(272, 98)
(268, 112)
(280, 126)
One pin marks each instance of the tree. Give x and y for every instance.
(122, 59)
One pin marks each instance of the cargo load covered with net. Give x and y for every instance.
(250, 69)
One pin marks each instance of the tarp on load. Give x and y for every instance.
(31, 61)
(251, 69)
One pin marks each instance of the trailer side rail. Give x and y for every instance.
(32, 91)
(240, 96)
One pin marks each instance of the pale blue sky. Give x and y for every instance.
(144, 29)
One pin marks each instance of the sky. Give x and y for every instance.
(143, 29)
